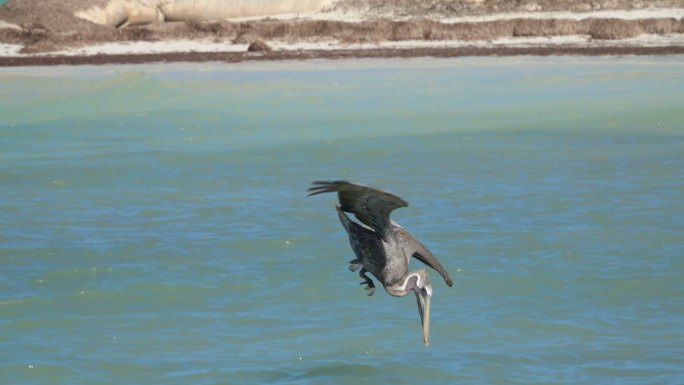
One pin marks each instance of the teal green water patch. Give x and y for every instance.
(154, 219)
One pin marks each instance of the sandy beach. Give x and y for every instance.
(81, 33)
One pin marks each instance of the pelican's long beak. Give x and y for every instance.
(423, 300)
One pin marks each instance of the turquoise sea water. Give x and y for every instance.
(154, 226)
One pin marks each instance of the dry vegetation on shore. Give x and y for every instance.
(36, 38)
(49, 26)
(449, 8)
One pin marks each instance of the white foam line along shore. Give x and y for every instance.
(646, 13)
(676, 13)
(10, 50)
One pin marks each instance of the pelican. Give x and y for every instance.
(382, 247)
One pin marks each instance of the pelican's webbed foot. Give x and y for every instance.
(370, 286)
(355, 264)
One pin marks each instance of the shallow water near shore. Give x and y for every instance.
(154, 225)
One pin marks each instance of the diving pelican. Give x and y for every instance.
(382, 247)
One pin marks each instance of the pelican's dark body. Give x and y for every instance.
(386, 255)
(382, 247)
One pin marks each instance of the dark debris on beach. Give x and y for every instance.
(237, 57)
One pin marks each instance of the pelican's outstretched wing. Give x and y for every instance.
(370, 206)
(418, 251)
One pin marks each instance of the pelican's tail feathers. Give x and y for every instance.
(322, 186)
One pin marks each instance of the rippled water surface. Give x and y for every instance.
(154, 226)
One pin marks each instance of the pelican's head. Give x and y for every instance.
(419, 282)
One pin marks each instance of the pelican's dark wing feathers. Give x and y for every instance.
(421, 253)
(370, 206)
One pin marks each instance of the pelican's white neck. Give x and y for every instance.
(413, 281)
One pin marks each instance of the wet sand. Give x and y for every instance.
(235, 57)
